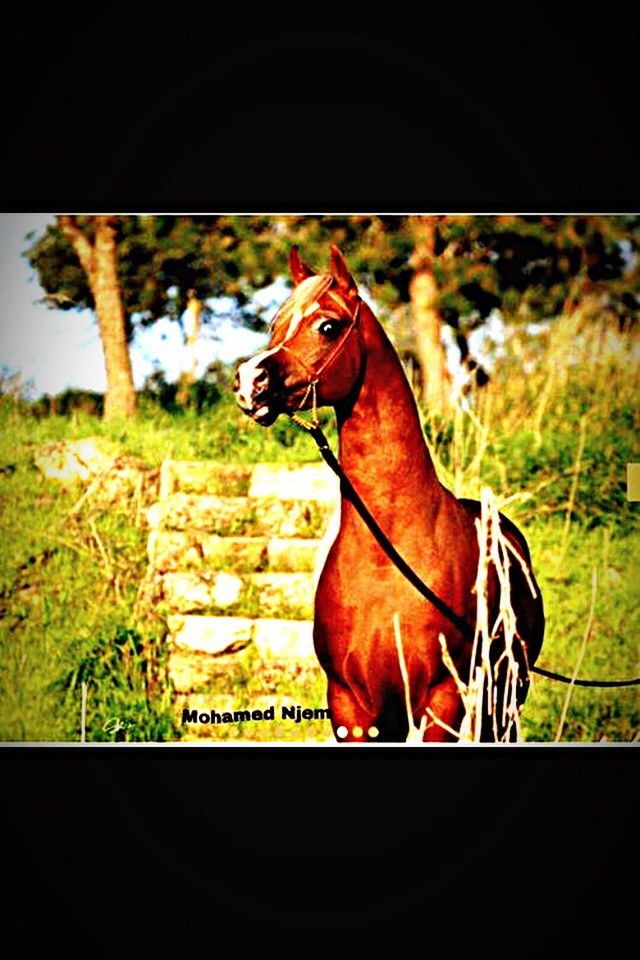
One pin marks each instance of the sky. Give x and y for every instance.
(56, 349)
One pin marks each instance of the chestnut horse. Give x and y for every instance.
(328, 349)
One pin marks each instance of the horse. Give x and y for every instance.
(327, 348)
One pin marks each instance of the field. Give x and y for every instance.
(551, 436)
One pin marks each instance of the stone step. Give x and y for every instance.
(301, 481)
(272, 639)
(196, 476)
(246, 516)
(307, 481)
(178, 550)
(266, 594)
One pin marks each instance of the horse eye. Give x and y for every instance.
(329, 328)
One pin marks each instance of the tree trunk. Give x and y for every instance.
(427, 322)
(188, 375)
(100, 262)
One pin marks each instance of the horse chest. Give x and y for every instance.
(358, 594)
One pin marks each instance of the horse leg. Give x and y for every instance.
(350, 721)
(444, 702)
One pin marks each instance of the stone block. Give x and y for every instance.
(75, 459)
(206, 477)
(213, 635)
(284, 639)
(192, 669)
(271, 594)
(281, 590)
(306, 481)
(291, 518)
(235, 516)
(273, 639)
(292, 553)
(183, 511)
(197, 591)
(172, 550)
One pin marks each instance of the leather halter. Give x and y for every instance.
(314, 375)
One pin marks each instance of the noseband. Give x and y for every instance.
(314, 375)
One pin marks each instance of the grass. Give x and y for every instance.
(69, 580)
(68, 583)
(223, 434)
(612, 649)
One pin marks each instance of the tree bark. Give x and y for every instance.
(427, 322)
(99, 260)
(188, 375)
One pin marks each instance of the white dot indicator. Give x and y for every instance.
(373, 732)
(341, 732)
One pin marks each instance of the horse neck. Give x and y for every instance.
(382, 446)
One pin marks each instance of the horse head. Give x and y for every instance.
(314, 357)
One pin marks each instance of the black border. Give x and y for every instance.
(521, 849)
(412, 107)
(284, 110)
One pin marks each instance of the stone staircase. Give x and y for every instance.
(235, 551)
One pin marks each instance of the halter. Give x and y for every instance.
(314, 375)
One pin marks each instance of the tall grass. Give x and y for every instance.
(551, 436)
(553, 429)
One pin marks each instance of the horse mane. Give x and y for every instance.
(302, 301)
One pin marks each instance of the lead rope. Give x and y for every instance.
(353, 496)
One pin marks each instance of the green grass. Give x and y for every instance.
(69, 581)
(223, 434)
(612, 650)
(67, 614)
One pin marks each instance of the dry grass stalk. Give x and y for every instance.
(83, 714)
(545, 397)
(483, 432)
(76, 507)
(581, 652)
(415, 733)
(138, 500)
(457, 451)
(480, 695)
(81, 551)
(103, 552)
(574, 488)
(469, 440)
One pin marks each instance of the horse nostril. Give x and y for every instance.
(261, 378)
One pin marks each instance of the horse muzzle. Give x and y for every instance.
(254, 394)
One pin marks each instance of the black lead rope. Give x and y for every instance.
(354, 497)
(585, 683)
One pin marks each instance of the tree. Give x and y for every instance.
(119, 267)
(93, 240)
(455, 270)
(438, 271)
(162, 267)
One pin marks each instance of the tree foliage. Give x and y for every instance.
(528, 267)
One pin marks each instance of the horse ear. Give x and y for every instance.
(299, 269)
(340, 271)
